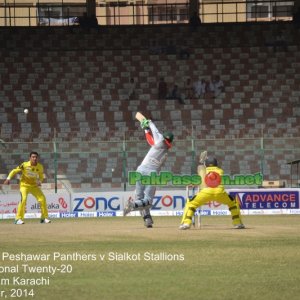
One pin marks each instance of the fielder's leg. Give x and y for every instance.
(190, 208)
(40, 197)
(234, 209)
(22, 206)
(188, 215)
(190, 193)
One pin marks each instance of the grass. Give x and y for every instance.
(215, 262)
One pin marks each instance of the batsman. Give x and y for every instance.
(153, 161)
(211, 190)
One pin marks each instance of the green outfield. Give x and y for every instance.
(117, 258)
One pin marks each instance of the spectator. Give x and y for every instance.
(200, 88)
(189, 91)
(154, 48)
(195, 21)
(184, 53)
(84, 21)
(162, 89)
(277, 41)
(93, 22)
(131, 94)
(88, 22)
(175, 94)
(170, 48)
(216, 86)
(280, 42)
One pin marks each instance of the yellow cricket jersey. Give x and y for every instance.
(31, 175)
(219, 188)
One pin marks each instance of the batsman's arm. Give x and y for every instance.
(149, 137)
(157, 136)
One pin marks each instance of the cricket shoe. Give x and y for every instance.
(45, 221)
(239, 226)
(148, 222)
(184, 226)
(19, 222)
(129, 206)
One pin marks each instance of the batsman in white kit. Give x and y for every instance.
(153, 161)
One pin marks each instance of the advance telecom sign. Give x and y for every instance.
(268, 199)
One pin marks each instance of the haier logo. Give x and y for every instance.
(96, 203)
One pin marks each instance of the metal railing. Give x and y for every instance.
(106, 163)
(145, 13)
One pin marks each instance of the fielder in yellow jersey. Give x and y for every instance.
(214, 191)
(30, 182)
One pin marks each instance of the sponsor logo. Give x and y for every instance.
(51, 206)
(96, 204)
(86, 214)
(175, 202)
(106, 214)
(68, 215)
(268, 200)
(168, 201)
(62, 202)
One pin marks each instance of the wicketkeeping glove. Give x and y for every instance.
(145, 124)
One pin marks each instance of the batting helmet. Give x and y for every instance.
(211, 162)
(169, 136)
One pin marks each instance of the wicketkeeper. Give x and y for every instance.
(214, 191)
(153, 161)
(30, 182)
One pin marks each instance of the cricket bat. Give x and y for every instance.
(140, 116)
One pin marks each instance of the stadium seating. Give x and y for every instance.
(75, 85)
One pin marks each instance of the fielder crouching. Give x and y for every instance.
(214, 191)
(153, 161)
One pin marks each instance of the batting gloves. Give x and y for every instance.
(145, 124)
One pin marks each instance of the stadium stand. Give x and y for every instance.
(74, 82)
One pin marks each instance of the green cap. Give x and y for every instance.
(169, 136)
